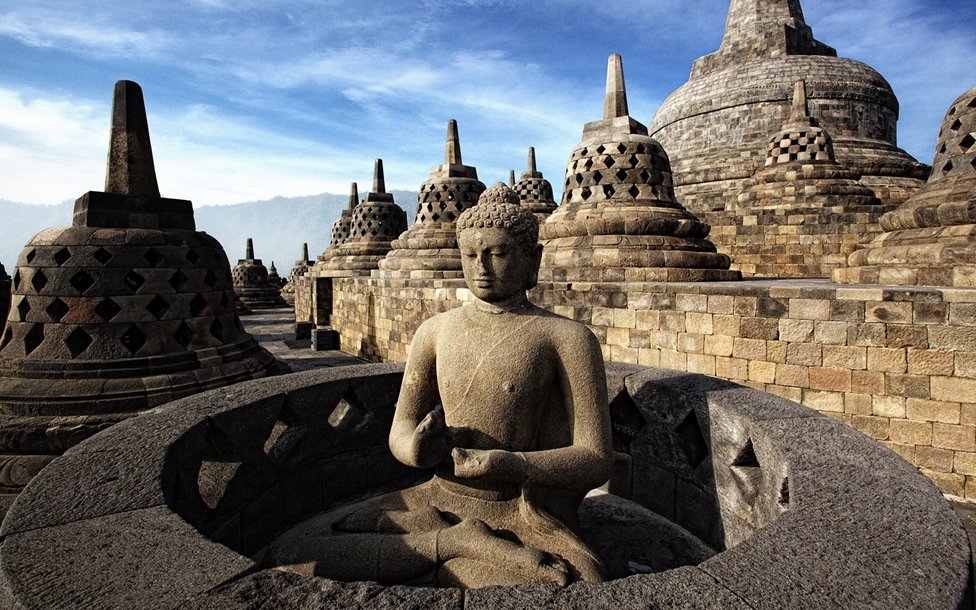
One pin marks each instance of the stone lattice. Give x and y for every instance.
(619, 219)
(717, 124)
(931, 238)
(802, 213)
(375, 223)
(429, 247)
(342, 226)
(299, 269)
(534, 191)
(252, 283)
(128, 308)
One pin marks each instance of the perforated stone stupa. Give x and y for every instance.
(534, 191)
(342, 226)
(931, 239)
(251, 282)
(429, 247)
(273, 278)
(128, 308)
(619, 219)
(299, 269)
(717, 124)
(802, 213)
(375, 223)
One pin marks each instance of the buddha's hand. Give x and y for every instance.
(495, 464)
(433, 438)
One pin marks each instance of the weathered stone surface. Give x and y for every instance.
(299, 269)
(620, 220)
(931, 238)
(534, 191)
(429, 247)
(716, 125)
(4, 297)
(252, 283)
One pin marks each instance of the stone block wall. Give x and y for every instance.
(897, 364)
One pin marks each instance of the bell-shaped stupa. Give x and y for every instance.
(802, 213)
(717, 124)
(128, 308)
(342, 227)
(252, 282)
(299, 269)
(429, 247)
(930, 239)
(274, 278)
(375, 223)
(619, 219)
(534, 191)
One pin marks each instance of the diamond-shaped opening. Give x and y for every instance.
(691, 441)
(133, 280)
(197, 306)
(178, 280)
(348, 415)
(645, 176)
(641, 149)
(608, 190)
(597, 177)
(33, 338)
(102, 255)
(626, 421)
(78, 341)
(158, 307)
(192, 256)
(285, 436)
(29, 257)
(213, 479)
(107, 309)
(17, 280)
(972, 103)
(57, 309)
(183, 335)
(947, 167)
(39, 281)
(62, 256)
(23, 308)
(967, 142)
(634, 191)
(609, 161)
(955, 125)
(8, 336)
(210, 279)
(133, 339)
(82, 281)
(601, 149)
(784, 492)
(153, 257)
(634, 161)
(746, 457)
(585, 193)
(588, 165)
(622, 148)
(579, 179)
(217, 330)
(621, 174)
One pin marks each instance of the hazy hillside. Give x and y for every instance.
(279, 226)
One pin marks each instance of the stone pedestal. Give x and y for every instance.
(931, 238)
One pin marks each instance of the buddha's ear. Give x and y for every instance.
(532, 277)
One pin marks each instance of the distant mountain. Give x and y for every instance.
(278, 226)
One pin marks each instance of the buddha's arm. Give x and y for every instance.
(583, 465)
(419, 436)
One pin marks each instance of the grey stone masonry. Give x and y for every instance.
(717, 124)
(4, 296)
(253, 284)
(299, 269)
(534, 191)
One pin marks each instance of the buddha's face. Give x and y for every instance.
(496, 267)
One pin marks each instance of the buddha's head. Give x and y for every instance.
(500, 250)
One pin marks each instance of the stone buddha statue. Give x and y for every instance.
(507, 403)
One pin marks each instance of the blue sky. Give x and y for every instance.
(249, 99)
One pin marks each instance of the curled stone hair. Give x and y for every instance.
(516, 220)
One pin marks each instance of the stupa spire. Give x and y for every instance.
(452, 154)
(130, 169)
(249, 252)
(353, 196)
(531, 166)
(800, 112)
(511, 178)
(615, 101)
(379, 182)
(305, 251)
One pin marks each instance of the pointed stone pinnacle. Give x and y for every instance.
(511, 177)
(800, 112)
(531, 168)
(379, 182)
(615, 102)
(305, 251)
(353, 196)
(249, 253)
(452, 155)
(130, 169)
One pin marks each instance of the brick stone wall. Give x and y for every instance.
(897, 364)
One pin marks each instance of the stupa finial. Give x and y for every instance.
(800, 112)
(615, 102)
(249, 252)
(353, 196)
(452, 156)
(130, 169)
(511, 177)
(379, 182)
(531, 167)
(305, 251)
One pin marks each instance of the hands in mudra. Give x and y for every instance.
(436, 441)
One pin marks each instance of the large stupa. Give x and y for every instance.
(127, 309)
(620, 220)
(717, 124)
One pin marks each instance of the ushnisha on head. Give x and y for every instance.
(500, 250)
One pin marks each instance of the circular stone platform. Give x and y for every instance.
(172, 508)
